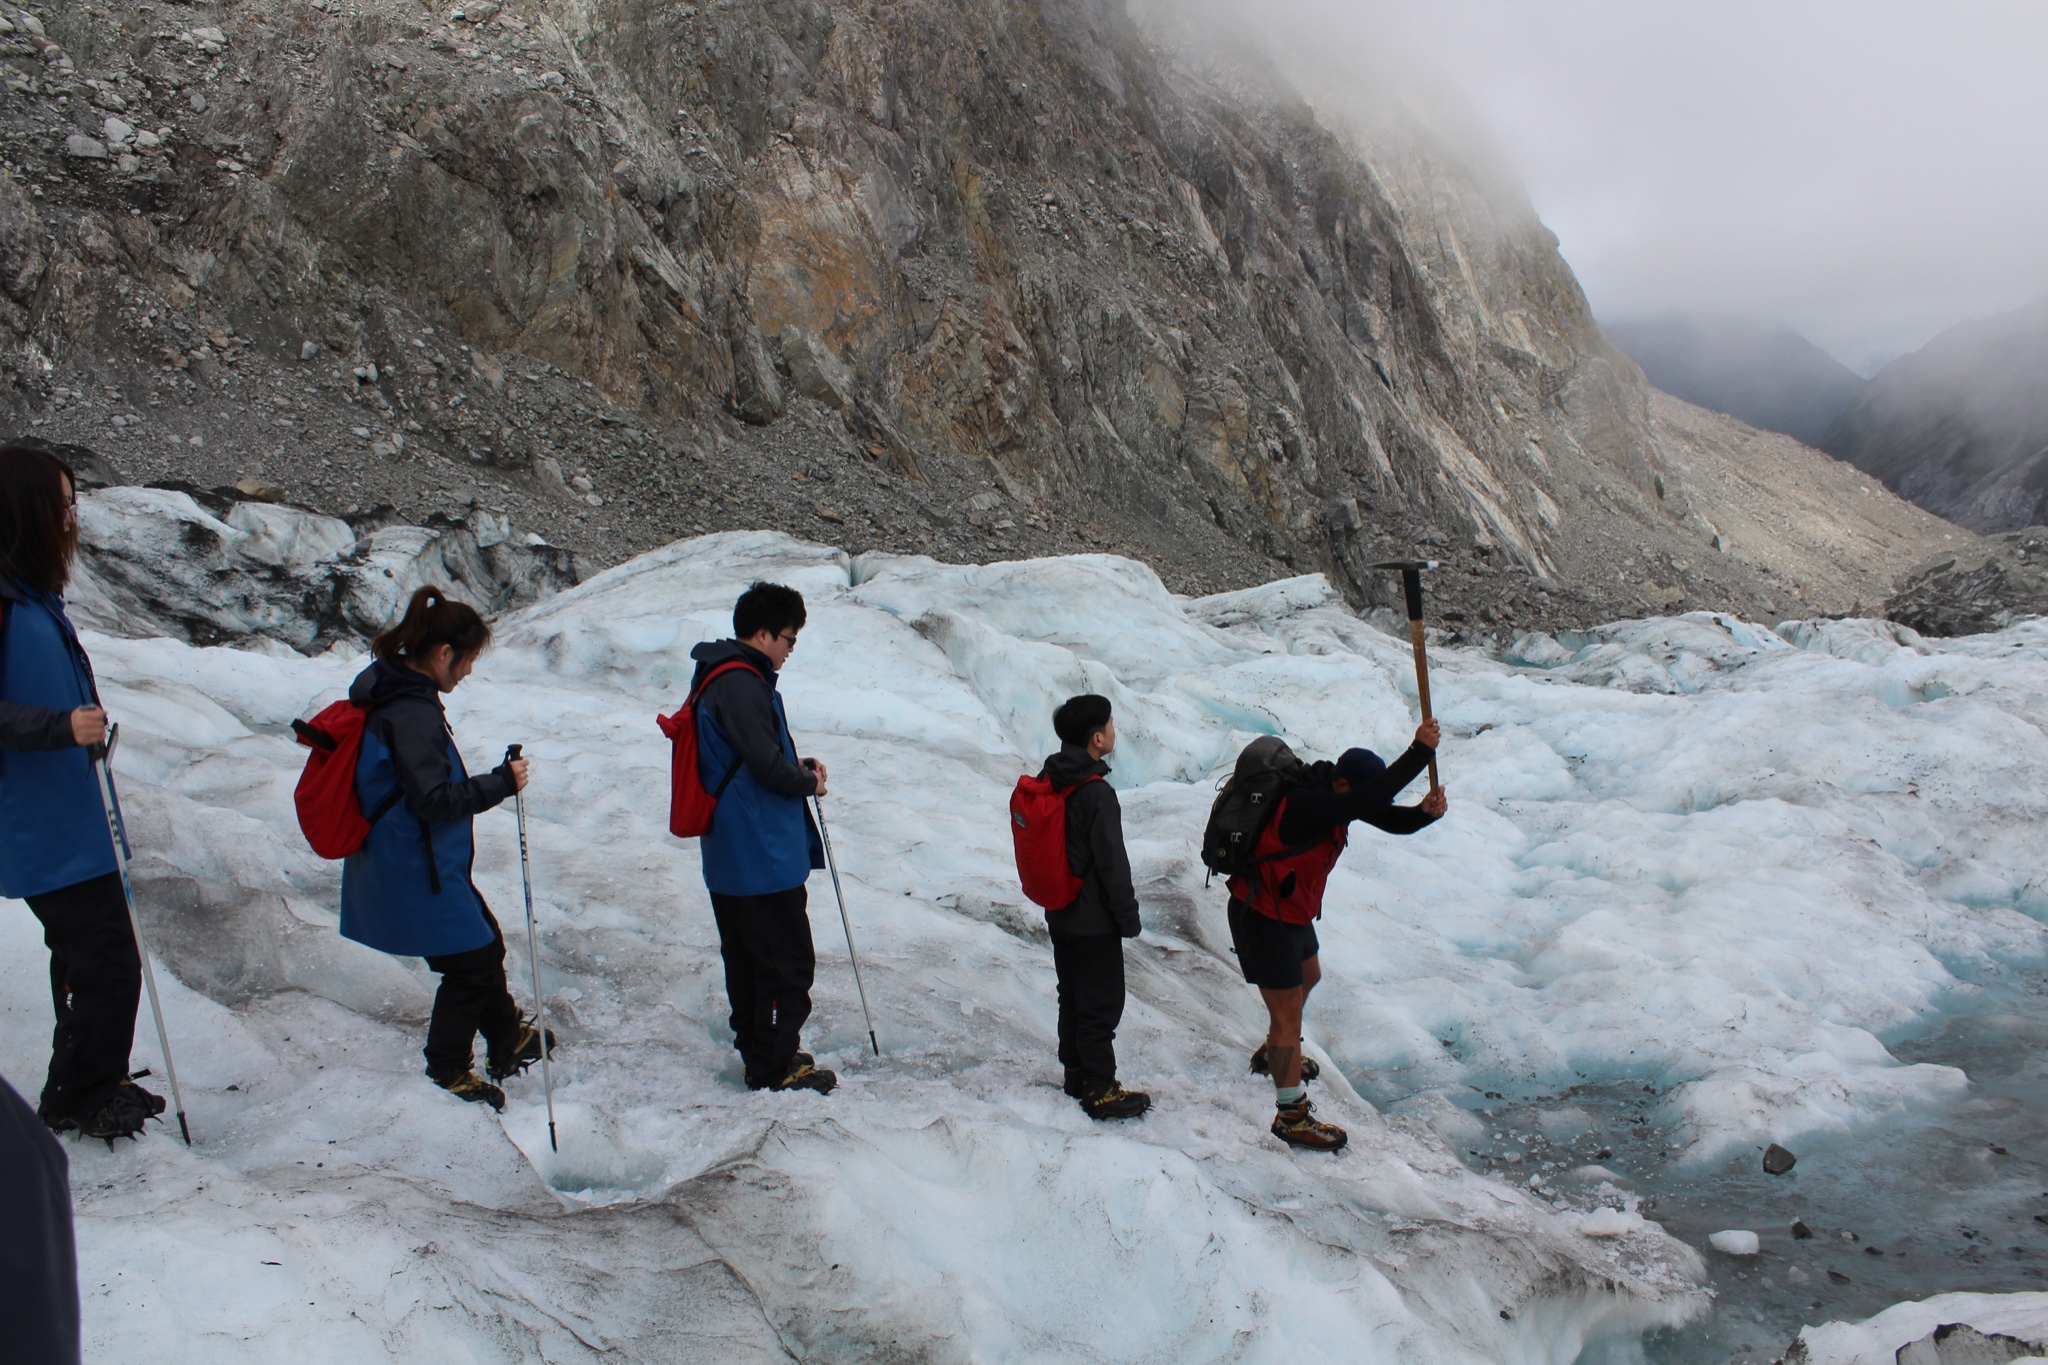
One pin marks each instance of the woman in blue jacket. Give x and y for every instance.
(408, 890)
(55, 852)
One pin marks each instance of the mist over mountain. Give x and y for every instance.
(1961, 425)
(1765, 375)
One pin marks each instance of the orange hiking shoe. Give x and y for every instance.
(1295, 1125)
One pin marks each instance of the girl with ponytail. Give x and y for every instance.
(408, 891)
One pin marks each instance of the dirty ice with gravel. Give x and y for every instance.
(1718, 867)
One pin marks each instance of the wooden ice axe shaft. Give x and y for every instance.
(1411, 585)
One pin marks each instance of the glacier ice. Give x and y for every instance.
(1692, 852)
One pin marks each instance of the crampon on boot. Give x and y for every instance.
(1295, 1125)
(803, 1074)
(1309, 1068)
(520, 1055)
(1112, 1101)
(122, 1116)
(474, 1088)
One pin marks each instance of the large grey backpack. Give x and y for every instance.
(1266, 771)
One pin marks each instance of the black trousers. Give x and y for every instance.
(769, 966)
(473, 999)
(1091, 977)
(95, 985)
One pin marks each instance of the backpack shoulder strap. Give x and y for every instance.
(720, 671)
(697, 694)
(1279, 812)
(384, 807)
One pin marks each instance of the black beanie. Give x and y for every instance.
(1359, 766)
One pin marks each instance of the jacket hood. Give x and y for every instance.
(384, 681)
(711, 653)
(1072, 764)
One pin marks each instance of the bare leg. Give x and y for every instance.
(1283, 1034)
(1311, 973)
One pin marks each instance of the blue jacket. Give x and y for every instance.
(53, 828)
(408, 889)
(761, 840)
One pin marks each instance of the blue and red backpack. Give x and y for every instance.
(330, 813)
(690, 805)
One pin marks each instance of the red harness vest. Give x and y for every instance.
(1289, 889)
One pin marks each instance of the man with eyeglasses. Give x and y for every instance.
(762, 845)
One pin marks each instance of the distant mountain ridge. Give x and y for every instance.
(1766, 375)
(1961, 425)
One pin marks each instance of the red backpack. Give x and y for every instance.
(1038, 824)
(330, 813)
(690, 806)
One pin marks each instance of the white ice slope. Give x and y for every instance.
(1731, 888)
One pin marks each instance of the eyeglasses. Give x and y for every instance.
(787, 637)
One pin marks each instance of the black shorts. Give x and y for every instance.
(1269, 952)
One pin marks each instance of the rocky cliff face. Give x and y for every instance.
(1961, 425)
(979, 278)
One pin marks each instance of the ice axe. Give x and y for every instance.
(540, 1008)
(1411, 584)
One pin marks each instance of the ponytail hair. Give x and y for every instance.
(433, 619)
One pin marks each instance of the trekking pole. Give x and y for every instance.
(833, 866)
(540, 1008)
(102, 756)
(1411, 583)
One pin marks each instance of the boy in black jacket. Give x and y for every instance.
(1087, 936)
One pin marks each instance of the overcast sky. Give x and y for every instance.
(1867, 172)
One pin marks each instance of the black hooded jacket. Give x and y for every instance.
(1311, 814)
(742, 705)
(1095, 851)
(406, 714)
(38, 1262)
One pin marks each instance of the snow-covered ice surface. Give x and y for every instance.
(1693, 855)
(1904, 1333)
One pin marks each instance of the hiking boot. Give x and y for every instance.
(1295, 1125)
(521, 1055)
(1309, 1069)
(474, 1088)
(1114, 1102)
(123, 1115)
(763, 1081)
(803, 1075)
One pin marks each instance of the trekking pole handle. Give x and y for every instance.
(512, 752)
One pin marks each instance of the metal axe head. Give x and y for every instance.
(1411, 580)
